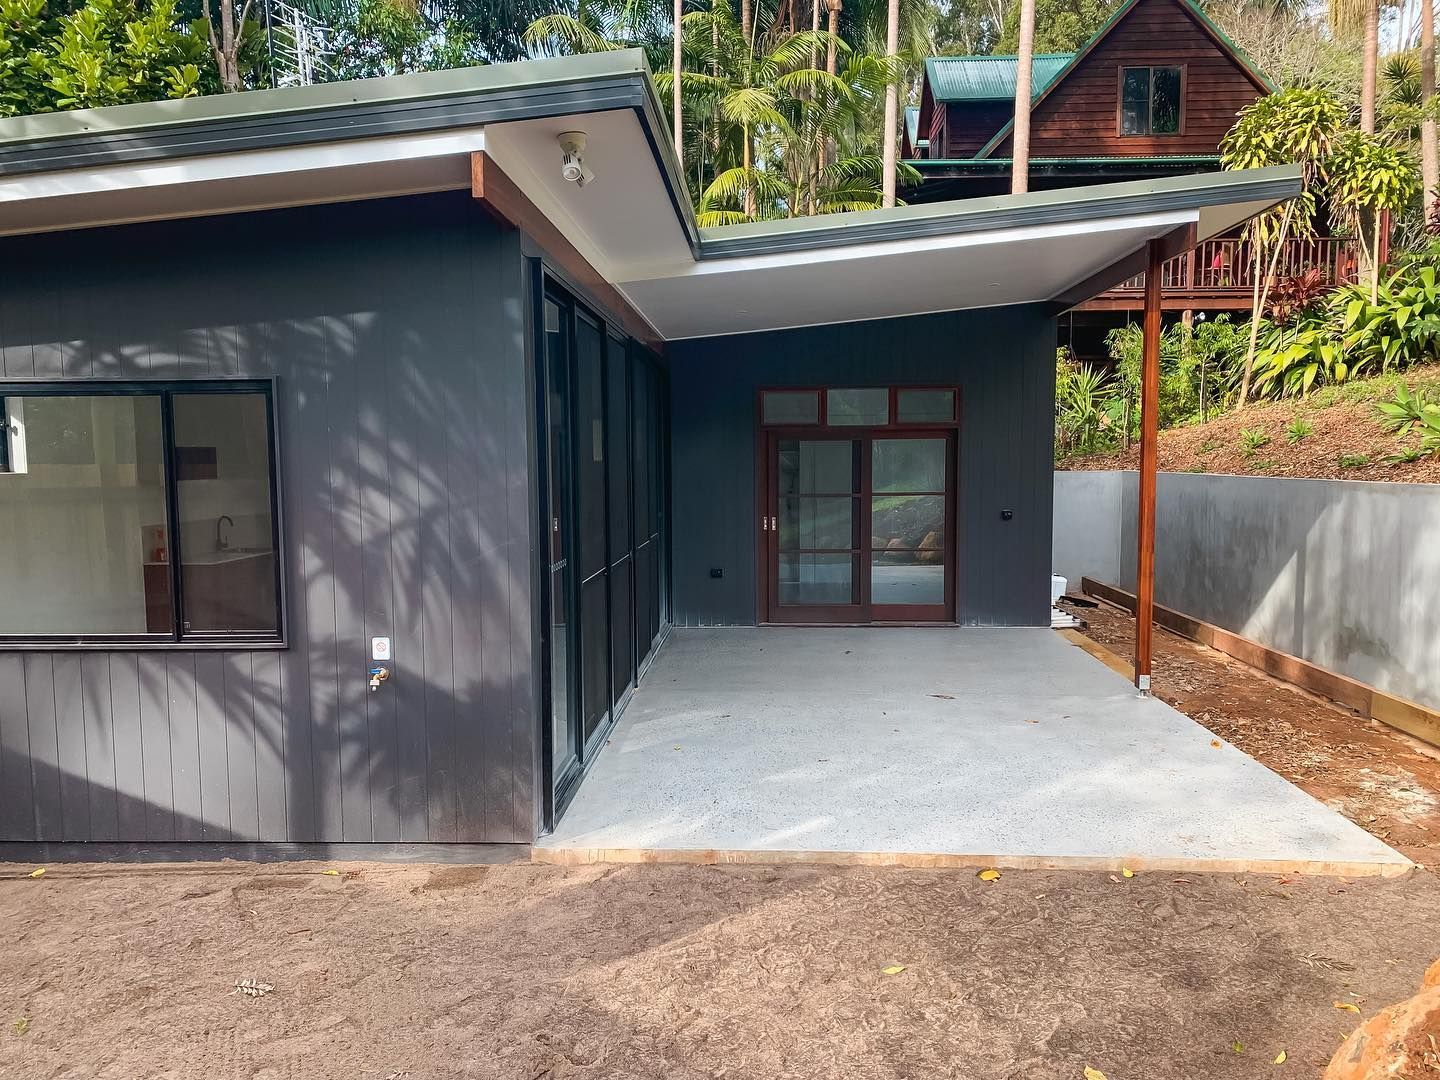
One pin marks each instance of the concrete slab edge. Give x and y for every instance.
(578, 856)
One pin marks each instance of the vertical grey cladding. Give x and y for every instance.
(396, 331)
(1003, 361)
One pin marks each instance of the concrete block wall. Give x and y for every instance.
(1343, 573)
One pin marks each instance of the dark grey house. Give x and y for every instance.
(356, 460)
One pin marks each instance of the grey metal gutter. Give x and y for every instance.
(1058, 206)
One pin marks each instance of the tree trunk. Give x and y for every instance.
(1429, 152)
(1371, 67)
(678, 61)
(226, 45)
(1261, 294)
(746, 17)
(834, 8)
(892, 106)
(1375, 258)
(1020, 133)
(749, 191)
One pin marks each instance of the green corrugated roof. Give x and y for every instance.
(988, 78)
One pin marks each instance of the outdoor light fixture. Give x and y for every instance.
(572, 162)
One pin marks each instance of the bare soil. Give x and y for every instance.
(1379, 778)
(1347, 441)
(521, 972)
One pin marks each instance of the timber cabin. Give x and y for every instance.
(1151, 95)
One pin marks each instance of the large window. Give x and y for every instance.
(1150, 101)
(139, 512)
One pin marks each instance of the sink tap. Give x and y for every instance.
(221, 543)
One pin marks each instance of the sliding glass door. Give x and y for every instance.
(603, 405)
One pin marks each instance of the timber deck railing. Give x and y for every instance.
(1226, 268)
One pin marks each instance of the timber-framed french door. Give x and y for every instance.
(857, 520)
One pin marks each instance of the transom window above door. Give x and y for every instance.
(859, 406)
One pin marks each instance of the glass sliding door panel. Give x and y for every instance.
(907, 577)
(564, 748)
(818, 467)
(817, 522)
(594, 656)
(907, 521)
(911, 465)
(564, 744)
(807, 578)
(590, 446)
(622, 626)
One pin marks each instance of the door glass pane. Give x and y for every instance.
(1135, 102)
(850, 407)
(641, 433)
(907, 521)
(790, 407)
(817, 579)
(560, 727)
(557, 417)
(222, 474)
(907, 577)
(818, 466)
(617, 437)
(825, 521)
(594, 655)
(622, 626)
(83, 544)
(590, 445)
(908, 465)
(925, 406)
(1165, 101)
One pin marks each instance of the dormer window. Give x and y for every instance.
(1150, 101)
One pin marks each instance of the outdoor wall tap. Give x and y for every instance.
(222, 543)
(377, 676)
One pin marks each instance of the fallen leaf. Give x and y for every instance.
(989, 875)
(1093, 1074)
(1115, 879)
(893, 969)
(1238, 1046)
(1280, 1058)
(1216, 743)
(38, 873)
(252, 987)
(330, 873)
(1127, 872)
(1347, 1007)
(944, 697)
(21, 1026)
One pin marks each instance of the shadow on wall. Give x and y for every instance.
(395, 329)
(1342, 573)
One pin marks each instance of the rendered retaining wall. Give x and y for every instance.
(1343, 573)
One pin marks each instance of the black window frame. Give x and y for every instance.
(1149, 128)
(177, 638)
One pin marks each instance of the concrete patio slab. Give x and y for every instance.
(932, 747)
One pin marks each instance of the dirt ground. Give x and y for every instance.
(1377, 777)
(1343, 425)
(522, 972)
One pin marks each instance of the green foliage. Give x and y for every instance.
(1298, 429)
(1060, 25)
(1252, 439)
(1409, 413)
(106, 52)
(389, 37)
(1354, 461)
(1213, 350)
(1084, 397)
(1351, 335)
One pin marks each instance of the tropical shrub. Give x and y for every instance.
(1352, 334)
(1408, 413)
(1084, 399)
(1197, 369)
(104, 52)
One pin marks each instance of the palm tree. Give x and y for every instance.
(1020, 133)
(1429, 151)
(892, 105)
(677, 35)
(1346, 17)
